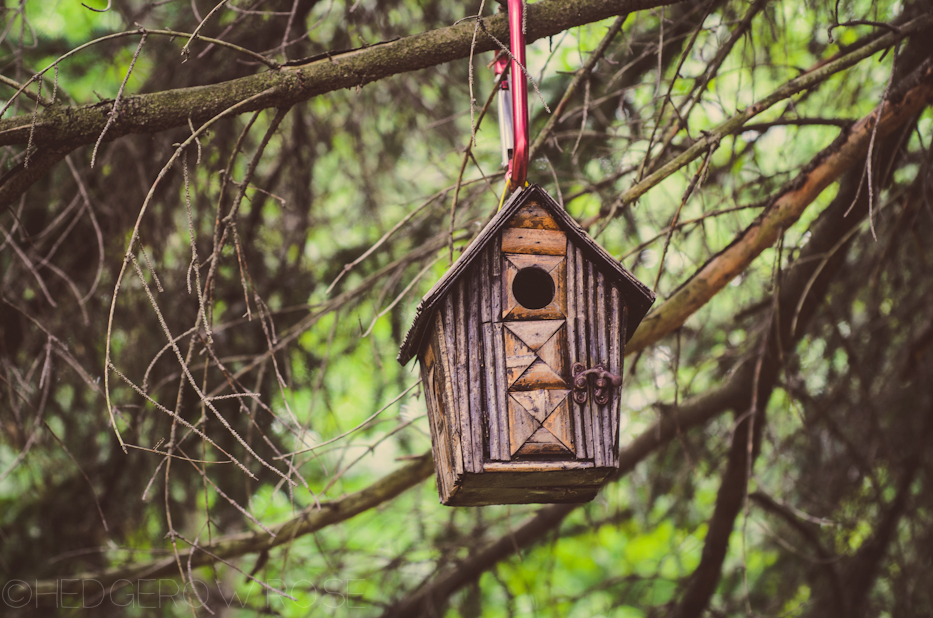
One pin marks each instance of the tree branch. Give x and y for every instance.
(826, 232)
(862, 570)
(915, 93)
(826, 560)
(151, 113)
(800, 293)
(231, 546)
(746, 442)
(21, 176)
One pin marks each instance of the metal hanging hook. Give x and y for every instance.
(504, 104)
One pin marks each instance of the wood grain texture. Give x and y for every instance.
(582, 346)
(494, 255)
(560, 275)
(592, 336)
(439, 448)
(560, 424)
(450, 365)
(616, 344)
(538, 376)
(490, 392)
(517, 475)
(533, 241)
(535, 333)
(447, 399)
(602, 330)
(572, 355)
(523, 495)
(502, 387)
(542, 442)
(495, 283)
(540, 403)
(484, 291)
(478, 425)
(623, 335)
(533, 216)
(537, 466)
(521, 425)
(518, 356)
(553, 353)
(535, 353)
(463, 377)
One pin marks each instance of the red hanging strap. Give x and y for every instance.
(518, 167)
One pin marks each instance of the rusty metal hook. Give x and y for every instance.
(601, 387)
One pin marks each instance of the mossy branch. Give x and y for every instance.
(70, 127)
(231, 546)
(915, 93)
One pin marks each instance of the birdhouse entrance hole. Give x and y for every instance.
(533, 288)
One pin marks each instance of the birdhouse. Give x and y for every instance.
(521, 346)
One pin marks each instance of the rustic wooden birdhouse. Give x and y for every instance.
(521, 347)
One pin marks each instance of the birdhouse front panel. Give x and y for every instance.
(507, 342)
(533, 254)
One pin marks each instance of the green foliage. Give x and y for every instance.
(343, 222)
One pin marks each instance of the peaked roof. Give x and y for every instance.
(637, 296)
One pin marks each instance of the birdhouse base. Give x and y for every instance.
(526, 483)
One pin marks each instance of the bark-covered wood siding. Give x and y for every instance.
(596, 329)
(442, 410)
(477, 365)
(498, 346)
(472, 329)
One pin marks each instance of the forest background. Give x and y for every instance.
(217, 218)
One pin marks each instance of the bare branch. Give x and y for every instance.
(915, 94)
(304, 79)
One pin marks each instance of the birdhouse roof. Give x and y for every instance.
(638, 298)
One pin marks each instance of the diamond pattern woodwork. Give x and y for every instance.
(539, 410)
(539, 423)
(533, 353)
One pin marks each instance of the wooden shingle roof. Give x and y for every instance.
(637, 296)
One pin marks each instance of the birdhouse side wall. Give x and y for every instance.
(463, 370)
(495, 385)
(469, 322)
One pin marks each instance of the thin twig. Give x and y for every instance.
(697, 179)
(112, 116)
(355, 429)
(581, 74)
(185, 52)
(135, 236)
